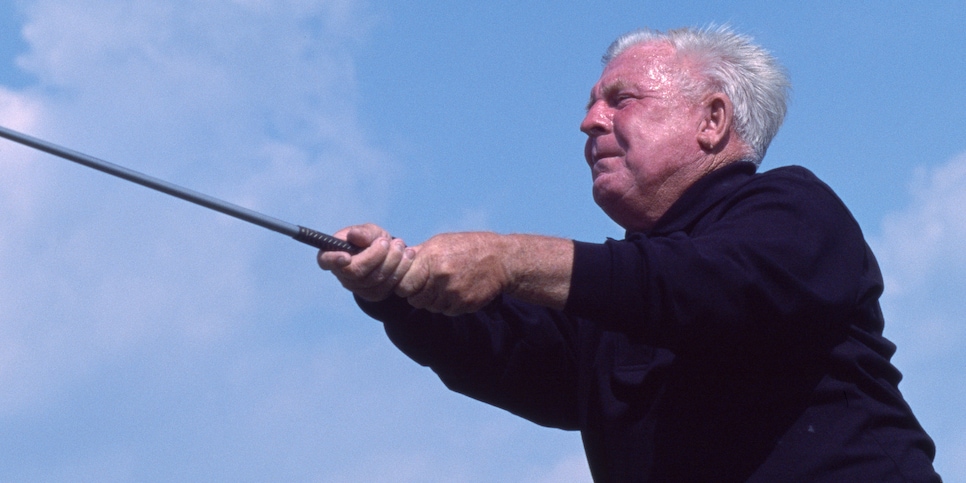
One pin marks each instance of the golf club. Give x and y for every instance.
(300, 233)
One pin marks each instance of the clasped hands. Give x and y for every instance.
(452, 274)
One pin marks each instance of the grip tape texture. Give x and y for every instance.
(325, 242)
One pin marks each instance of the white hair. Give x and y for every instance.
(731, 63)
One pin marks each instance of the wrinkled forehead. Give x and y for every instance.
(653, 66)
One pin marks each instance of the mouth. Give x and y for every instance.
(597, 158)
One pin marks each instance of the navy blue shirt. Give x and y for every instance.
(740, 339)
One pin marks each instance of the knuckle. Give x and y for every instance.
(377, 277)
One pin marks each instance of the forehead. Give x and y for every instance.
(650, 65)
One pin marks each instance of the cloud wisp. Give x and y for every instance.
(110, 292)
(922, 252)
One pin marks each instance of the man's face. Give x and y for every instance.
(641, 136)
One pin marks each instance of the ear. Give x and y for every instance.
(716, 124)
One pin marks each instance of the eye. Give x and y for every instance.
(622, 99)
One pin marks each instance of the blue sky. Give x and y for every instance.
(145, 339)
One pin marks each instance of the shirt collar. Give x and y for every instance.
(703, 194)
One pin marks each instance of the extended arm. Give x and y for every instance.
(514, 355)
(459, 273)
(454, 273)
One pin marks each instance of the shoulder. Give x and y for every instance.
(795, 186)
(788, 202)
(793, 179)
(790, 175)
(790, 194)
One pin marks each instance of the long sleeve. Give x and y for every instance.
(511, 354)
(778, 264)
(738, 340)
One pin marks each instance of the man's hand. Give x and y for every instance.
(457, 273)
(454, 273)
(373, 273)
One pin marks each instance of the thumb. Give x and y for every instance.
(332, 260)
(365, 235)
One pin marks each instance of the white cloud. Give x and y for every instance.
(18, 170)
(930, 233)
(922, 253)
(253, 103)
(147, 339)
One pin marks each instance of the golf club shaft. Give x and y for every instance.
(300, 233)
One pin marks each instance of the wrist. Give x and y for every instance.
(537, 269)
(511, 251)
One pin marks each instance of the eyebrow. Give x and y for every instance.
(608, 90)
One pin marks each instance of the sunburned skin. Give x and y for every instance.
(642, 144)
(646, 144)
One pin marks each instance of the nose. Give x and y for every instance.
(597, 121)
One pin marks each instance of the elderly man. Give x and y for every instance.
(733, 335)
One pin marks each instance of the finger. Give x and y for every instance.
(403, 257)
(382, 278)
(416, 276)
(428, 297)
(365, 235)
(363, 269)
(381, 283)
(333, 260)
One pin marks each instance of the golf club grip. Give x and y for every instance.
(327, 243)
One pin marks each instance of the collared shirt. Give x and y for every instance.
(738, 340)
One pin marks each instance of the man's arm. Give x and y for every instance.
(514, 355)
(457, 273)
(454, 273)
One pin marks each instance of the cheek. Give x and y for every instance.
(652, 152)
(635, 136)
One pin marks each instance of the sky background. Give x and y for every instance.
(143, 338)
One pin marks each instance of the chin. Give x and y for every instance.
(607, 198)
(616, 209)
(612, 210)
